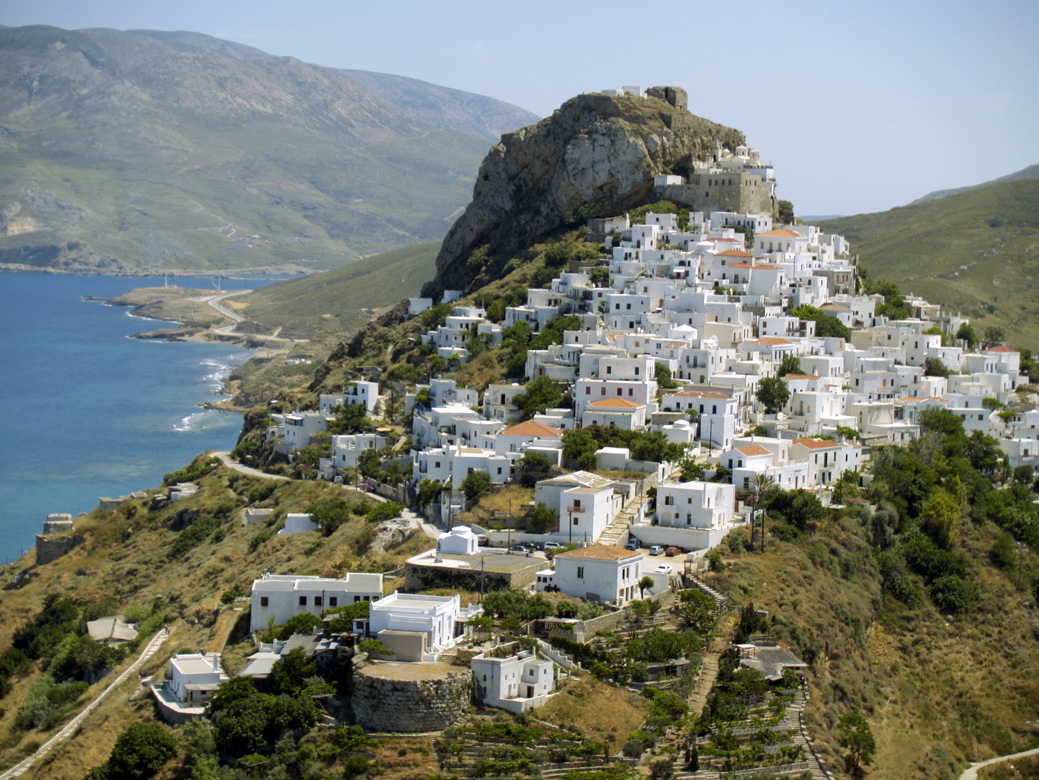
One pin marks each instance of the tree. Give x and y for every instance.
(857, 737)
(428, 490)
(994, 334)
(645, 582)
(691, 470)
(537, 396)
(966, 333)
(791, 364)
(600, 277)
(475, 483)
(761, 487)
(140, 752)
(664, 378)
(541, 519)
(773, 394)
(935, 367)
(698, 610)
(785, 211)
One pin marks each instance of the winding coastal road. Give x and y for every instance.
(73, 725)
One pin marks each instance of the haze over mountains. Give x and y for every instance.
(143, 150)
(1031, 172)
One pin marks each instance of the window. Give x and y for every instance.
(263, 601)
(303, 601)
(580, 572)
(318, 600)
(333, 601)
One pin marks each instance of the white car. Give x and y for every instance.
(664, 568)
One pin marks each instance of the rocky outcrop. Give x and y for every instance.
(595, 156)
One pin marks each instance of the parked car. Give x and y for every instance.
(664, 568)
(519, 548)
(552, 546)
(656, 549)
(672, 551)
(632, 544)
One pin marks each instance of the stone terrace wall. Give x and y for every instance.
(419, 705)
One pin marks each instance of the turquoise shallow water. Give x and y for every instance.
(88, 411)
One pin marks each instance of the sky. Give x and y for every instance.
(860, 107)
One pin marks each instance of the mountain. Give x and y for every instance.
(1031, 172)
(595, 156)
(976, 252)
(451, 109)
(128, 151)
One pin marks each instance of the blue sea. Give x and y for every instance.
(89, 411)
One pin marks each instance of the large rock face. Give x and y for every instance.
(595, 150)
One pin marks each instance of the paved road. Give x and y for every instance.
(225, 458)
(414, 520)
(972, 772)
(216, 300)
(73, 725)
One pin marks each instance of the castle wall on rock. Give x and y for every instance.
(742, 193)
(410, 697)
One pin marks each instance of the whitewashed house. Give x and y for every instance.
(517, 683)
(600, 573)
(282, 596)
(419, 628)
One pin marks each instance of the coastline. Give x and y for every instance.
(288, 269)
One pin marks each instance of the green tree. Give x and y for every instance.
(691, 471)
(600, 277)
(773, 394)
(496, 310)
(643, 584)
(857, 737)
(428, 490)
(329, 514)
(537, 396)
(994, 335)
(352, 418)
(935, 367)
(291, 673)
(475, 483)
(541, 519)
(785, 211)
(825, 325)
(140, 752)
(664, 379)
(791, 364)
(698, 610)
(966, 333)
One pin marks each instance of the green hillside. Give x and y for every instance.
(346, 297)
(976, 252)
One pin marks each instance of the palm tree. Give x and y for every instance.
(761, 484)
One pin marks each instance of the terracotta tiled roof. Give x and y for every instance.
(816, 444)
(535, 429)
(781, 233)
(735, 253)
(615, 403)
(753, 449)
(1001, 348)
(769, 341)
(599, 552)
(801, 376)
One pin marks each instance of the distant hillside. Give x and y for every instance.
(1031, 172)
(976, 252)
(346, 297)
(451, 109)
(147, 150)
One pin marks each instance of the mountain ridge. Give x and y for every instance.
(130, 151)
(1031, 172)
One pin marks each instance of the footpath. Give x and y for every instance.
(971, 773)
(73, 725)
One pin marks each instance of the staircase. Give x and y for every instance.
(618, 527)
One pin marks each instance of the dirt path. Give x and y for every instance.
(972, 772)
(73, 725)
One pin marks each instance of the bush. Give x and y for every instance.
(955, 595)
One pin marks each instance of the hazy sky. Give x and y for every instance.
(860, 106)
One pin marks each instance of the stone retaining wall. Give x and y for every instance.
(417, 705)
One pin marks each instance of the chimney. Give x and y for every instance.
(216, 662)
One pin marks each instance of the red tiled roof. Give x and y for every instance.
(615, 403)
(535, 429)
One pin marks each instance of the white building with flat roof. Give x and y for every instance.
(517, 683)
(283, 596)
(419, 628)
(599, 572)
